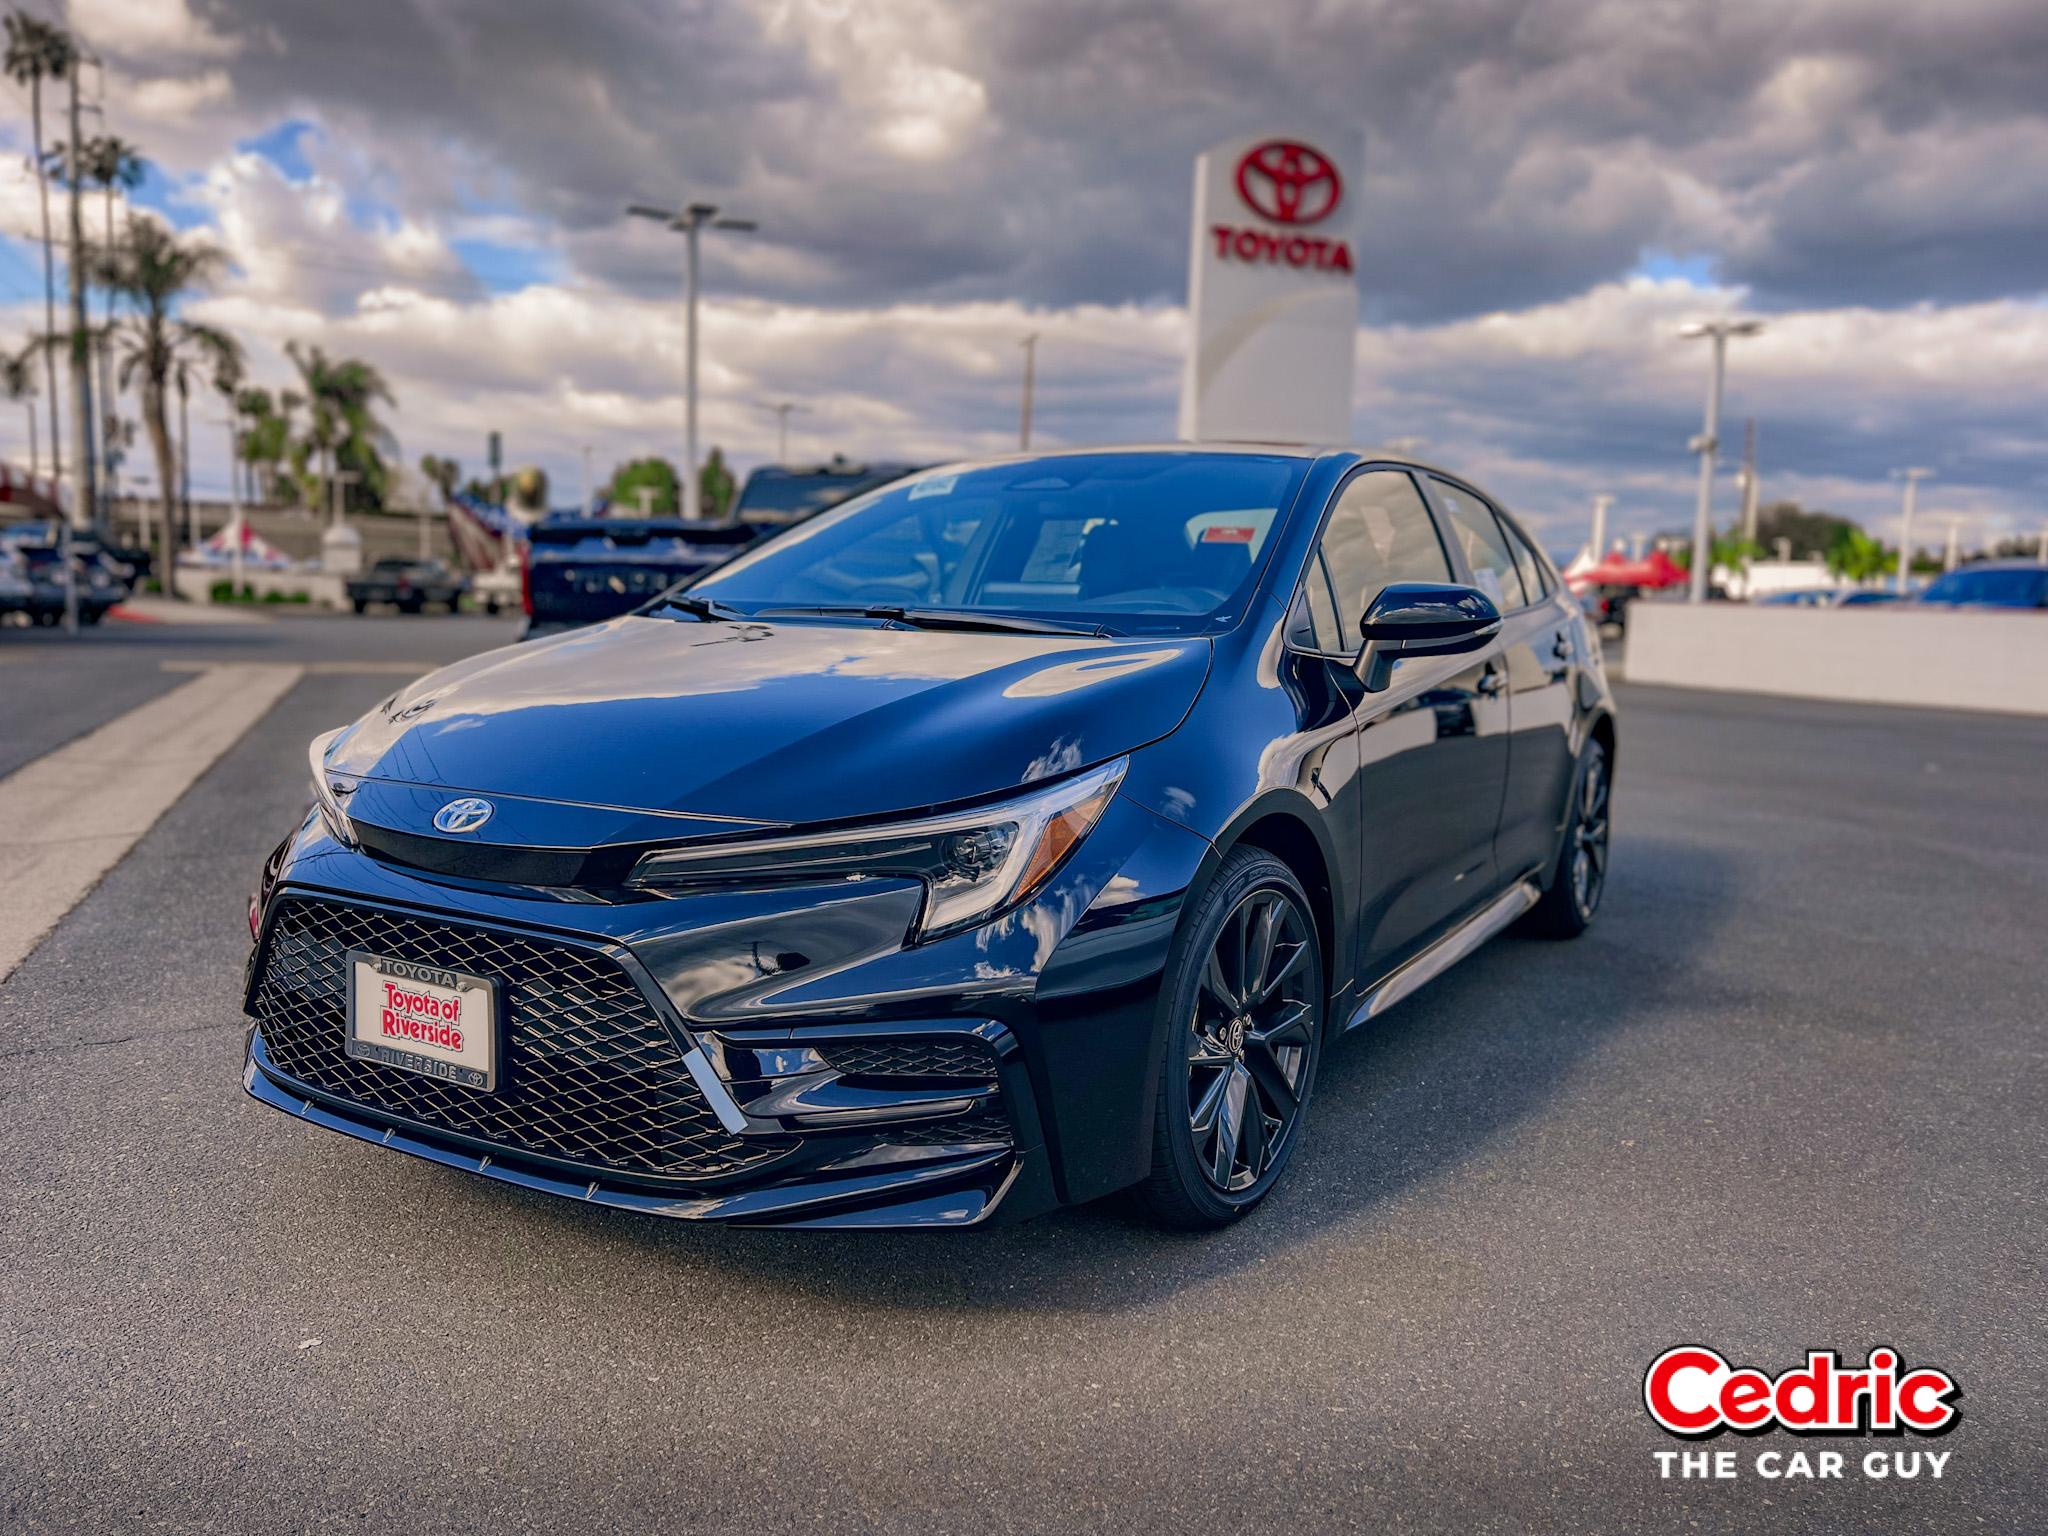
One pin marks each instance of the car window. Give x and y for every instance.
(1535, 580)
(1314, 625)
(1379, 532)
(1479, 534)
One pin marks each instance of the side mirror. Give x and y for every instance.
(1422, 618)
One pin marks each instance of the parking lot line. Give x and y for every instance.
(71, 815)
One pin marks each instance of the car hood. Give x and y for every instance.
(759, 722)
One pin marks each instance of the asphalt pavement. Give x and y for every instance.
(1788, 1094)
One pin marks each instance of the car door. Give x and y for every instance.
(1432, 759)
(1538, 656)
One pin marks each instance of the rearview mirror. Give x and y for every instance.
(1422, 618)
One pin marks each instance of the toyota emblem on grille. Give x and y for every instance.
(462, 815)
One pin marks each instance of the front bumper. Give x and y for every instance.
(778, 1059)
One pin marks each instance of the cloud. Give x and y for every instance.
(934, 180)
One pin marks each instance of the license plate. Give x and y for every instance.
(421, 1018)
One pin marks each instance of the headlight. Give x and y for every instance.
(330, 790)
(974, 864)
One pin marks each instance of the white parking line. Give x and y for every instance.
(73, 814)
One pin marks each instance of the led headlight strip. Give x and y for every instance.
(973, 863)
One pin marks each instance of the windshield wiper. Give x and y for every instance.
(942, 618)
(706, 608)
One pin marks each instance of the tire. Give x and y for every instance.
(1227, 1064)
(1572, 899)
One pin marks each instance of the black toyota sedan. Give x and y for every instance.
(1016, 833)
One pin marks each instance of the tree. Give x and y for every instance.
(342, 429)
(656, 475)
(264, 439)
(1856, 556)
(154, 270)
(443, 474)
(715, 487)
(109, 162)
(18, 384)
(1810, 534)
(38, 51)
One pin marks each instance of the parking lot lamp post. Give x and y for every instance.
(691, 222)
(1600, 505)
(1708, 444)
(1912, 477)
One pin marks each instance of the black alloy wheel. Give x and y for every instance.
(1567, 908)
(1243, 1040)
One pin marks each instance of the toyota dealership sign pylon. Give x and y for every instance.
(1272, 291)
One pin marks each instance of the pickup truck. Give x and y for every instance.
(408, 585)
(584, 570)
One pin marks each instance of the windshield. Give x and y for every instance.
(1140, 543)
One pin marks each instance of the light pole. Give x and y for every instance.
(1600, 505)
(691, 222)
(588, 489)
(1708, 443)
(1912, 477)
(782, 410)
(1030, 383)
(234, 498)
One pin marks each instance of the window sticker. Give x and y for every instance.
(937, 485)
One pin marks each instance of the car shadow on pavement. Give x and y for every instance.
(1414, 1096)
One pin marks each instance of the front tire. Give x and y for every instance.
(1244, 1030)
(1580, 878)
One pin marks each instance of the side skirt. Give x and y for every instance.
(1446, 951)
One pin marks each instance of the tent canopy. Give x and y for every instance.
(1656, 569)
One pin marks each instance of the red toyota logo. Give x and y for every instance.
(1289, 182)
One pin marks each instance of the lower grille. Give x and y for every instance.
(589, 1074)
(984, 1128)
(953, 1056)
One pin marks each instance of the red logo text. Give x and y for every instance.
(1693, 1392)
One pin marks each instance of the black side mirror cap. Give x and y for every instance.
(1423, 618)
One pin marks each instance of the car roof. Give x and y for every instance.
(2014, 564)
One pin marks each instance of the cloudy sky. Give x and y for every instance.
(1550, 188)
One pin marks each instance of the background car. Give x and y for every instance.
(17, 592)
(585, 570)
(407, 585)
(98, 585)
(1992, 584)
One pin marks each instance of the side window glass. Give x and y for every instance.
(1379, 532)
(1479, 534)
(1526, 563)
(1313, 626)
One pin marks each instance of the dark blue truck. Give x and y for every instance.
(584, 570)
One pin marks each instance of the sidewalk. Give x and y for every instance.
(162, 610)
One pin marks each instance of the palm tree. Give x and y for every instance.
(153, 269)
(342, 428)
(109, 162)
(18, 383)
(38, 50)
(443, 474)
(1858, 557)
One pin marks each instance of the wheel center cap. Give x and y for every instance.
(1234, 1035)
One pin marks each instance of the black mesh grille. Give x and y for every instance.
(956, 1056)
(983, 1128)
(588, 1073)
